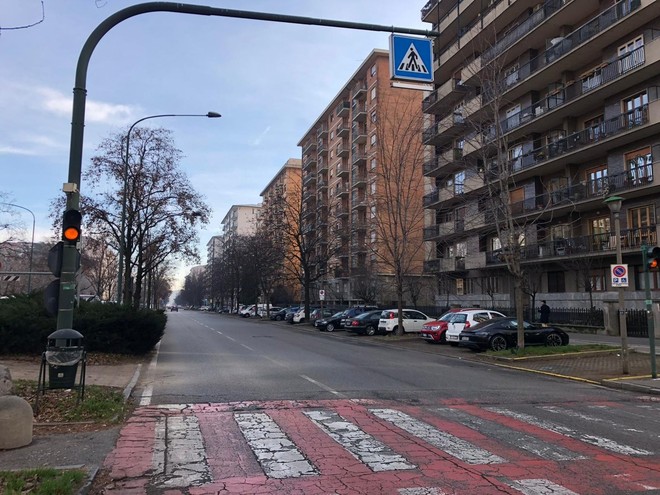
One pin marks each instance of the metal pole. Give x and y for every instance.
(650, 326)
(122, 234)
(29, 287)
(623, 326)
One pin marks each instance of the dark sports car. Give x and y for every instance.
(502, 333)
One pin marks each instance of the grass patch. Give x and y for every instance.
(100, 405)
(42, 481)
(550, 351)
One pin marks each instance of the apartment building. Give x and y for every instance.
(351, 156)
(280, 198)
(240, 220)
(560, 99)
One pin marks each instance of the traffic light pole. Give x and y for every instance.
(650, 326)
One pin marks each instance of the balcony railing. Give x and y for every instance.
(601, 76)
(343, 108)
(586, 137)
(564, 45)
(631, 239)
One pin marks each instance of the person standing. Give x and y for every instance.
(545, 313)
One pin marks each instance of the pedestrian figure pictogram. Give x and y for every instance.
(412, 62)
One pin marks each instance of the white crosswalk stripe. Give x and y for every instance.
(598, 441)
(461, 449)
(277, 454)
(510, 436)
(587, 417)
(366, 448)
(540, 487)
(179, 454)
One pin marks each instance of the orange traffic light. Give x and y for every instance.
(653, 258)
(71, 226)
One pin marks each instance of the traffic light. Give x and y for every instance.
(71, 226)
(653, 258)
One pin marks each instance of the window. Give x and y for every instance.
(555, 95)
(373, 140)
(511, 74)
(372, 236)
(373, 70)
(639, 165)
(556, 282)
(459, 181)
(372, 187)
(596, 180)
(373, 163)
(332, 135)
(640, 281)
(460, 287)
(600, 232)
(515, 156)
(628, 53)
(594, 127)
(596, 281)
(641, 226)
(372, 212)
(592, 78)
(373, 93)
(635, 108)
(374, 116)
(512, 117)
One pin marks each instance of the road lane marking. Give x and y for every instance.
(540, 487)
(509, 436)
(247, 347)
(375, 454)
(591, 419)
(277, 454)
(461, 449)
(147, 393)
(324, 387)
(598, 441)
(179, 455)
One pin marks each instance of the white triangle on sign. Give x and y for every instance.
(412, 62)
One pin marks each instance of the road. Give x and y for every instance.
(241, 406)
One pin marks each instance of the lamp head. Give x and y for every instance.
(614, 203)
(213, 115)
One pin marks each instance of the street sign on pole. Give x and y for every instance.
(411, 59)
(322, 295)
(619, 273)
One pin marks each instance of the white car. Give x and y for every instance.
(465, 319)
(413, 320)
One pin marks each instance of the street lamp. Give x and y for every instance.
(29, 287)
(614, 204)
(122, 234)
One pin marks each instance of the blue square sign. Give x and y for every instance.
(411, 58)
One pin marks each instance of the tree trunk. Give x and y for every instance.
(518, 295)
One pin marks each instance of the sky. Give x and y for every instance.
(270, 81)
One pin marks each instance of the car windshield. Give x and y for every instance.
(337, 315)
(446, 317)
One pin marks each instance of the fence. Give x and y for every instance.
(637, 323)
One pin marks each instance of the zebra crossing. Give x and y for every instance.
(366, 446)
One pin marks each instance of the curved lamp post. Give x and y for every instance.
(29, 287)
(122, 234)
(614, 204)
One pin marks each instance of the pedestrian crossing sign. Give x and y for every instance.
(411, 58)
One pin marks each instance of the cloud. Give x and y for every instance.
(12, 150)
(95, 111)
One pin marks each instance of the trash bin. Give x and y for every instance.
(63, 353)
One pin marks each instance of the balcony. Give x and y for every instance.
(603, 244)
(322, 131)
(358, 178)
(343, 109)
(359, 133)
(359, 111)
(342, 190)
(441, 230)
(341, 211)
(309, 147)
(342, 129)
(342, 151)
(342, 170)
(321, 185)
(359, 202)
(309, 160)
(445, 97)
(322, 165)
(359, 155)
(440, 265)
(309, 179)
(322, 146)
(444, 131)
(438, 164)
(359, 90)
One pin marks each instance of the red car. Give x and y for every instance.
(434, 331)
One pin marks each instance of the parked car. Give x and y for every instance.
(413, 320)
(366, 323)
(465, 319)
(318, 313)
(279, 315)
(288, 316)
(272, 309)
(299, 317)
(331, 323)
(354, 311)
(501, 333)
(434, 331)
(204, 308)
(174, 308)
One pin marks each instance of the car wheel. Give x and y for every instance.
(370, 331)
(330, 327)
(498, 343)
(278, 318)
(553, 339)
(443, 338)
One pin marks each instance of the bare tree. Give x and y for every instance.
(161, 207)
(398, 212)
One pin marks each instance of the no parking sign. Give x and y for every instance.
(619, 273)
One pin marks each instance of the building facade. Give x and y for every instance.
(549, 108)
(240, 220)
(353, 161)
